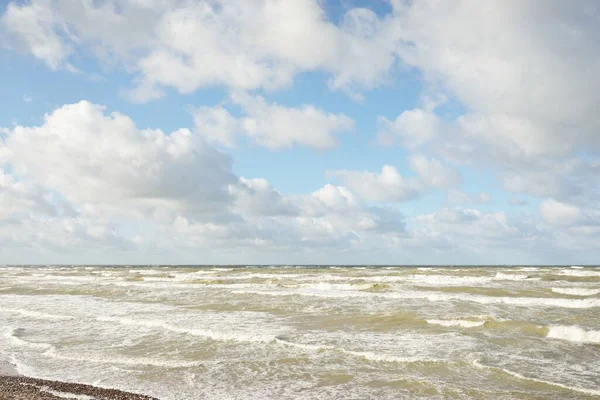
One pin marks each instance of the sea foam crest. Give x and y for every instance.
(438, 297)
(455, 322)
(12, 334)
(511, 277)
(580, 273)
(205, 333)
(573, 334)
(576, 291)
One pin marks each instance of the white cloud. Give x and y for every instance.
(105, 159)
(271, 125)
(479, 227)
(336, 197)
(256, 197)
(557, 213)
(216, 125)
(36, 27)
(519, 87)
(114, 185)
(193, 45)
(387, 186)
(391, 186)
(19, 199)
(411, 128)
(433, 173)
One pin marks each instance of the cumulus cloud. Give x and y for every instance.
(433, 173)
(387, 186)
(411, 128)
(460, 223)
(19, 199)
(105, 159)
(193, 45)
(519, 87)
(36, 28)
(557, 213)
(521, 110)
(113, 184)
(390, 186)
(271, 125)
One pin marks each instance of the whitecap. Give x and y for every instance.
(12, 335)
(573, 334)
(456, 322)
(439, 297)
(205, 333)
(576, 291)
(580, 273)
(511, 277)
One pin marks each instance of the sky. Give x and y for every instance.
(299, 132)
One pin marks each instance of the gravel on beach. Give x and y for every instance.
(23, 388)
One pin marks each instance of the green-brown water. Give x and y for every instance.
(308, 332)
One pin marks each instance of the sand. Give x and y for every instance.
(16, 387)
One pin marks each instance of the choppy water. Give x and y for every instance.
(307, 332)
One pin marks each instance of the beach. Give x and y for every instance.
(301, 332)
(16, 387)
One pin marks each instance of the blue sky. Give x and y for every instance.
(310, 132)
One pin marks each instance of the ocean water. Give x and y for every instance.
(287, 332)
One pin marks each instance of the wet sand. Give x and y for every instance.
(16, 387)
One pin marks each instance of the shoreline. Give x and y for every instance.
(14, 386)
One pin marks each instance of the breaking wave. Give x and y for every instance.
(456, 322)
(576, 291)
(574, 334)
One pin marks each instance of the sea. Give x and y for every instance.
(308, 332)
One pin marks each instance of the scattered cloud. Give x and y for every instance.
(411, 128)
(271, 125)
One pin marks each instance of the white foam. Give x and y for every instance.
(379, 357)
(435, 280)
(580, 273)
(455, 322)
(576, 291)
(115, 359)
(576, 267)
(12, 335)
(258, 338)
(592, 392)
(337, 286)
(574, 334)
(35, 314)
(510, 277)
(382, 357)
(205, 333)
(439, 297)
